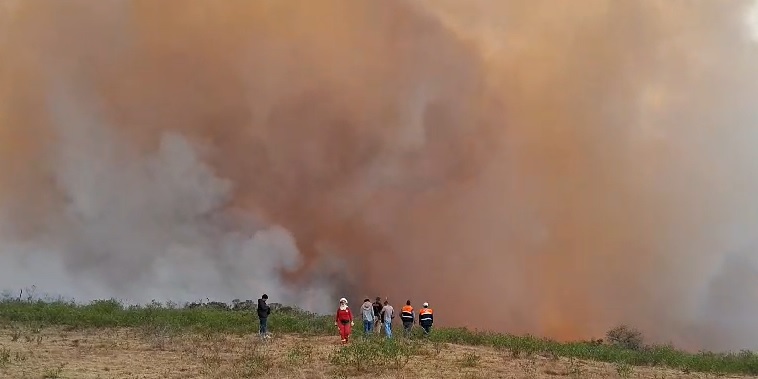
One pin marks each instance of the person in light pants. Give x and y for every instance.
(388, 314)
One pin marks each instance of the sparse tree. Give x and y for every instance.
(626, 337)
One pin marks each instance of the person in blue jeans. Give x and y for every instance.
(388, 314)
(367, 311)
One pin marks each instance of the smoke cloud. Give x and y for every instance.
(524, 166)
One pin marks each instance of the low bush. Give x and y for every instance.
(626, 337)
(375, 354)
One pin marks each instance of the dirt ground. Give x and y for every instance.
(147, 354)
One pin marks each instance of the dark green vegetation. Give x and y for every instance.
(623, 346)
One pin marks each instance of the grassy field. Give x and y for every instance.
(221, 343)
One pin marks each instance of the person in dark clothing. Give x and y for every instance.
(408, 316)
(378, 314)
(426, 318)
(263, 312)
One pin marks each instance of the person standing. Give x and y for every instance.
(388, 314)
(264, 310)
(408, 317)
(426, 318)
(367, 311)
(344, 320)
(378, 314)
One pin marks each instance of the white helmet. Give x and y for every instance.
(426, 304)
(343, 300)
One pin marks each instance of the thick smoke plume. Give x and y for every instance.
(531, 166)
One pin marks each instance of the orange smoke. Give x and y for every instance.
(529, 166)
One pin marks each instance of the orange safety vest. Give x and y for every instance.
(425, 316)
(406, 313)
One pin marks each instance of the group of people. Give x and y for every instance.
(377, 313)
(373, 315)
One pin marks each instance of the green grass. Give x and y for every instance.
(375, 354)
(110, 313)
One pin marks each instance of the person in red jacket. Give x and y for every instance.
(344, 320)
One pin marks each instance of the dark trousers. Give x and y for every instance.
(407, 325)
(264, 325)
(427, 328)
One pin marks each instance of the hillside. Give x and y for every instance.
(106, 340)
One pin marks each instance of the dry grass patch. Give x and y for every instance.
(145, 353)
(132, 353)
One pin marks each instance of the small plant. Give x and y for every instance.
(5, 356)
(623, 369)
(254, 364)
(399, 353)
(529, 366)
(54, 373)
(159, 336)
(19, 357)
(516, 351)
(15, 335)
(300, 355)
(435, 349)
(374, 355)
(469, 360)
(211, 361)
(575, 369)
(359, 356)
(625, 337)
(523, 346)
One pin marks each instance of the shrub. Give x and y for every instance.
(625, 337)
(374, 355)
(469, 360)
(300, 355)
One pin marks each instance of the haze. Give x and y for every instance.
(524, 166)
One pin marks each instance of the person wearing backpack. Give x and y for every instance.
(378, 314)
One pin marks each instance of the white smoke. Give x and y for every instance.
(147, 227)
(751, 21)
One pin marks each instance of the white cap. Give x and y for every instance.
(426, 304)
(343, 299)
